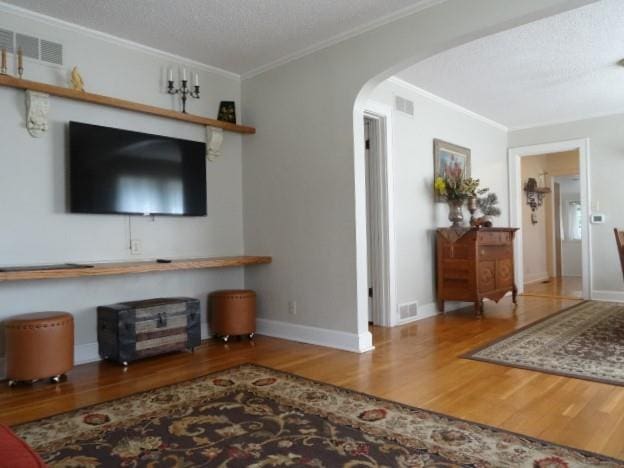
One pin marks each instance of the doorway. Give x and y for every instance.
(379, 224)
(550, 203)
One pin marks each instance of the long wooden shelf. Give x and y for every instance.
(108, 269)
(12, 82)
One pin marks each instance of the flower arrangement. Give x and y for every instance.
(455, 187)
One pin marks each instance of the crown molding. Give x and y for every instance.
(342, 37)
(66, 25)
(551, 123)
(451, 105)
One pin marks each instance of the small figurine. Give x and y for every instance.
(76, 80)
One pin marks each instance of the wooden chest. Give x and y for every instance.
(133, 330)
(475, 264)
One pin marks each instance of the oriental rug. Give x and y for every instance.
(251, 416)
(585, 341)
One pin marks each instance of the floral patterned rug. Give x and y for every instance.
(251, 416)
(584, 341)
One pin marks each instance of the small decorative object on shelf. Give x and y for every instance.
(76, 80)
(3, 62)
(20, 62)
(535, 195)
(184, 90)
(227, 112)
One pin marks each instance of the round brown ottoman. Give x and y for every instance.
(39, 345)
(233, 312)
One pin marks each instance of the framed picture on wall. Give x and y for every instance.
(449, 160)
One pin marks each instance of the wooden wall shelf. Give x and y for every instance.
(108, 269)
(12, 82)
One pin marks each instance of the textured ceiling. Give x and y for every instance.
(236, 35)
(557, 69)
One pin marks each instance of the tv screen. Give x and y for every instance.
(119, 171)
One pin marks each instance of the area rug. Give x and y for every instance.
(251, 416)
(585, 341)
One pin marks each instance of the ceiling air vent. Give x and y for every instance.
(404, 105)
(6, 40)
(28, 44)
(51, 52)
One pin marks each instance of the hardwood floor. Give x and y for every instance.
(563, 287)
(416, 364)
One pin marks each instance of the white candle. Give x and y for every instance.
(170, 75)
(196, 79)
(184, 74)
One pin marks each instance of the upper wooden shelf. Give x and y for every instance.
(108, 269)
(10, 81)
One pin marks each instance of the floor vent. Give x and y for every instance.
(408, 310)
(32, 47)
(404, 105)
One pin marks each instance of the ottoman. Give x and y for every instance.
(233, 312)
(39, 345)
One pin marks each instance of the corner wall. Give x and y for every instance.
(303, 173)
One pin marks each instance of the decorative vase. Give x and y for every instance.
(456, 214)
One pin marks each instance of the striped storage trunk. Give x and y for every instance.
(133, 330)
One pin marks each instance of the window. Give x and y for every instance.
(574, 221)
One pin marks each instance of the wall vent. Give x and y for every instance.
(404, 105)
(32, 47)
(51, 52)
(408, 310)
(28, 44)
(6, 40)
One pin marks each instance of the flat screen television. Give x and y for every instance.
(124, 172)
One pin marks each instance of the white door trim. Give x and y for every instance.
(385, 298)
(516, 200)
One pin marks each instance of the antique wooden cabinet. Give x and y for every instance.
(133, 330)
(474, 264)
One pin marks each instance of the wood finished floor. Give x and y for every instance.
(568, 287)
(416, 364)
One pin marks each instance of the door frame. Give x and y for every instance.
(516, 200)
(384, 268)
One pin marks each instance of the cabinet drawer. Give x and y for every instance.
(459, 251)
(494, 238)
(495, 252)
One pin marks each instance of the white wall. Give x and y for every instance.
(36, 225)
(303, 173)
(606, 168)
(416, 215)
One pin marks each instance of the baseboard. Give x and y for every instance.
(318, 336)
(608, 296)
(88, 352)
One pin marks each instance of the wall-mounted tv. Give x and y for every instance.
(124, 172)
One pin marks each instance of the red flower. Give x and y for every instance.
(373, 415)
(550, 462)
(95, 419)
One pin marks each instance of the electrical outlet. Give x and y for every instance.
(135, 246)
(292, 307)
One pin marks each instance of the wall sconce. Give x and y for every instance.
(534, 196)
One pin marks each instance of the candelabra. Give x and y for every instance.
(184, 90)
